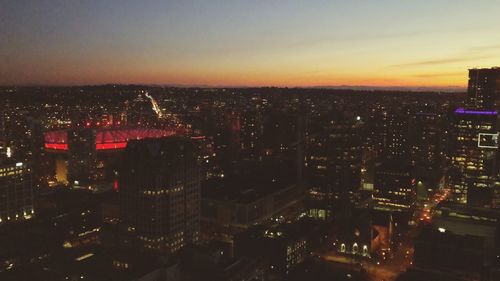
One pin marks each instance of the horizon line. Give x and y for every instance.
(206, 86)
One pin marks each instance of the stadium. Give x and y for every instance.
(88, 157)
(106, 139)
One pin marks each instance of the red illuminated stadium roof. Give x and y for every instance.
(106, 139)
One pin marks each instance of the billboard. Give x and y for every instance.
(487, 140)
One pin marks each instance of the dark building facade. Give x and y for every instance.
(426, 140)
(82, 160)
(474, 162)
(396, 137)
(16, 191)
(444, 250)
(394, 185)
(334, 162)
(474, 173)
(282, 246)
(160, 186)
(483, 92)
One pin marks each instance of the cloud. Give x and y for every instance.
(441, 61)
(440, 74)
(471, 54)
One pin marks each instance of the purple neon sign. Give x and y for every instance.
(476, 112)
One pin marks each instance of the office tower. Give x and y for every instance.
(82, 156)
(39, 162)
(387, 133)
(333, 164)
(160, 188)
(483, 92)
(375, 130)
(425, 140)
(251, 133)
(474, 162)
(394, 186)
(16, 191)
(396, 137)
(394, 183)
(427, 143)
(474, 173)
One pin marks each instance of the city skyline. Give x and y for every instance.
(136, 183)
(257, 43)
(189, 140)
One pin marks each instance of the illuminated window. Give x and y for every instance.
(355, 248)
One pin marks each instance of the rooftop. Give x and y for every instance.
(248, 183)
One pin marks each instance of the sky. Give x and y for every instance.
(424, 43)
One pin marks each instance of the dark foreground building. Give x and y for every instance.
(16, 191)
(160, 186)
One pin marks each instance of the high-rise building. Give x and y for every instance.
(394, 185)
(427, 140)
(334, 161)
(251, 134)
(396, 137)
(483, 92)
(474, 162)
(160, 187)
(82, 158)
(474, 173)
(16, 191)
(387, 133)
(38, 154)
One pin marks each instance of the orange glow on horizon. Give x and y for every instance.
(264, 79)
(248, 43)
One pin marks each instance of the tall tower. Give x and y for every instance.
(16, 191)
(474, 173)
(483, 92)
(160, 186)
(334, 161)
(82, 156)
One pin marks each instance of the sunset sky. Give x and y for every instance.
(247, 43)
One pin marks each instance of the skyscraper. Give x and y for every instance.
(426, 140)
(474, 173)
(160, 186)
(334, 161)
(483, 92)
(82, 158)
(16, 191)
(475, 156)
(396, 137)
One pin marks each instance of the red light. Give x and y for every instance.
(113, 145)
(56, 146)
(198, 138)
(116, 186)
(107, 139)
